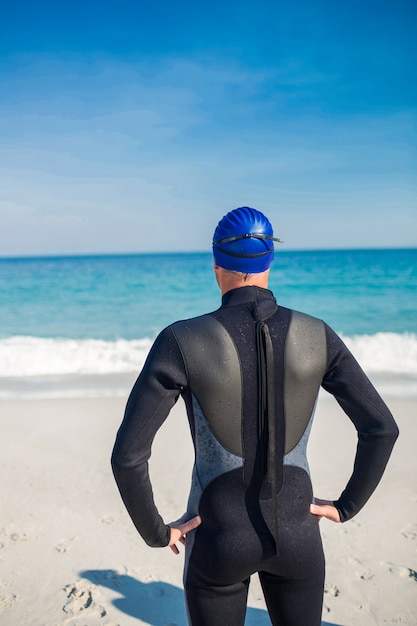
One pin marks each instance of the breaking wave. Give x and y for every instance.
(390, 359)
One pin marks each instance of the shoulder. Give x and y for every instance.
(200, 328)
(302, 321)
(191, 323)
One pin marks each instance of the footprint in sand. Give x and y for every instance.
(331, 590)
(367, 575)
(18, 537)
(6, 598)
(113, 575)
(410, 532)
(80, 598)
(63, 546)
(13, 537)
(402, 571)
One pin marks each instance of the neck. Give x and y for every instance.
(228, 280)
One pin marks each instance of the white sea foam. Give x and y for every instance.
(35, 356)
(385, 353)
(42, 367)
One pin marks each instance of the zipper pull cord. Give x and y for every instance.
(266, 414)
(262, 397)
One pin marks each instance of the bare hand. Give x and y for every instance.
(325, 508)
(179, 530)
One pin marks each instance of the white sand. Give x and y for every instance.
(69, 553)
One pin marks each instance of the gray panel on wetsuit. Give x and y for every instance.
(305, 365)
(213, 370)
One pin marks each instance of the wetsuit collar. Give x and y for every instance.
(244, 295)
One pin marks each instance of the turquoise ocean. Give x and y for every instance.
(83, 325)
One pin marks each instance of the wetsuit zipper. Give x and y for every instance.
(266, 414)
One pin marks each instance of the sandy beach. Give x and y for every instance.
(69, 553)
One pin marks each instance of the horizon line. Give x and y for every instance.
(66, 255)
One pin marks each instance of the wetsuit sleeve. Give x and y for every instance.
(376, 428)
(153, 395)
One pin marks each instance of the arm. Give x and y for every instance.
(153, 395)
(376, 428)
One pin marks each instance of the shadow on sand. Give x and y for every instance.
(157, 603)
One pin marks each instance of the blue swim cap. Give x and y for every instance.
(243, 241)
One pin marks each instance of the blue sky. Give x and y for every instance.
(134, 127)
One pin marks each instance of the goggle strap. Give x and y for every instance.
(245, 256)
(247, 236)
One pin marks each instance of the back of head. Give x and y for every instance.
(243, 241)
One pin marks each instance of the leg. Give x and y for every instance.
(294, 602)
(293, 582)
(211, 605)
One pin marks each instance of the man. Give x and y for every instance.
(249, 374)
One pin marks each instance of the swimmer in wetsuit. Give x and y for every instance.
(249, 374)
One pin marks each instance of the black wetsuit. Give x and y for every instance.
(250, 373)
